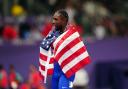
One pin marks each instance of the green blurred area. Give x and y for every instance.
(94, 19)
(45, 6)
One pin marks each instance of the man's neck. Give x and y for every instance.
(60, 29)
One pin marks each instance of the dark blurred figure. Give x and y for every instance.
(25, 85)
(35, 34)
(122, 25)
(1, 27)
(99, 30)
(79, 26)
(14, 78)
(81, 80)
(24, 30)
(35, 79)
(110, 26)
(46, 29)
(3, 78)
(9, 32)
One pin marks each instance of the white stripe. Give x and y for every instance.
(41, 71)
(75, 61)
(67, 41)
(70, 52)
(47, 64)
(43, 51)
(42, 62)
(58, 39)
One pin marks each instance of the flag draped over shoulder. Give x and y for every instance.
(46, 61)
(69, 51)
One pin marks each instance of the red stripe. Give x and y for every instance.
(77, 67)
(44, 58)
(66, 48)
(52, 60)
(50, 71)
(42, 77)
(42, 67)
(70, 32)
(73, 56)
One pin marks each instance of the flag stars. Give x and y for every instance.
(51, 41)
(43, 43)
(47, 42)
(44, 39)
(54, 36)
(47, 46)
(49, 35)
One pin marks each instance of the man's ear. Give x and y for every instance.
(64, 20)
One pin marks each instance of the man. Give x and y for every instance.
(68, 58)
(59, 80)
(60, 20)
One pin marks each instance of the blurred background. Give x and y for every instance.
(103, 25)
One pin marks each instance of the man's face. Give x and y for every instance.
(58, 21)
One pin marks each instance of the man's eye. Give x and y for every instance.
(55, 18)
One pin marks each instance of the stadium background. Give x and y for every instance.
(103, 24)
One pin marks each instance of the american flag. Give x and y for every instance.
(69, 51)
(46, 58)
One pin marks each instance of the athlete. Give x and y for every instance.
(60, 22)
